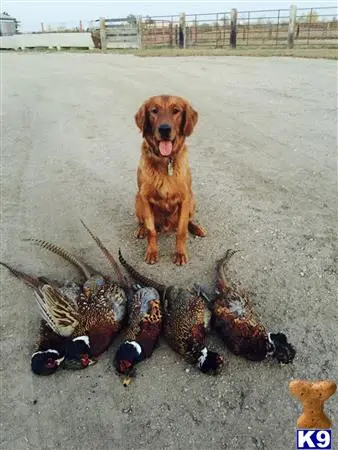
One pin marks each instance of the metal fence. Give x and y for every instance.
(264, 28)
(317, 27)
(289, 27)
(119, 33)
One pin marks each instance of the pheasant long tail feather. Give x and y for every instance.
(27, 279)
(140, 278)
(58, 311)
(108, 255)
(63, 253)
(221, 269)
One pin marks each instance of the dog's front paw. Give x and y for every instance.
(180, 258)
(151, 256)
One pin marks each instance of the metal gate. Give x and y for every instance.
(120, 33)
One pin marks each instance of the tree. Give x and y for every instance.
(311, 17)
(149, 21)
(131, 19)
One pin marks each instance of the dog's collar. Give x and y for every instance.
(170, 167)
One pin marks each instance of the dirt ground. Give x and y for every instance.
(263, 160)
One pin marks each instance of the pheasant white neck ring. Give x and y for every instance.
(136, 345)
(203, 357)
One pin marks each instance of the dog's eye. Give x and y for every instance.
(176, 110)
(154, 110)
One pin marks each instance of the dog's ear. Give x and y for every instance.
(190, 118)
(142, 119)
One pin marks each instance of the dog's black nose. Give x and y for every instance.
(164, 130)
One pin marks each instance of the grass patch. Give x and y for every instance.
(325, 53)
(315, 53)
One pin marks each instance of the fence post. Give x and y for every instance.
(181, 31)
(277, 30)
(233, 28)
(292, 25)
(171, 34)
(309, 26)
(195, 39)
(140, 29)
(103, 35)
(224, 28)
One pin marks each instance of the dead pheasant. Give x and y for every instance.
(144, 328)
(241, 331)
(73, 319)
(59, 334)
(101, 296)
(186, 319)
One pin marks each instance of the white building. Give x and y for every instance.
(7, 25)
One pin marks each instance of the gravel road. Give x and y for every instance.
(264, 168)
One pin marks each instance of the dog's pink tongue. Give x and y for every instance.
(166, 147)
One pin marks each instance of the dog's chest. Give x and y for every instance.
(167, 194)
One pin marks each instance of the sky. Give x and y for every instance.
(63, 12)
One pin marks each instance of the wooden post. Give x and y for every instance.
(140, 30)
(247, 34)
(277, 30)
(103, 34)
(195, 38)
(309, 26)
(224, 27)
(216, 31)
(171, 37)
(233, 28)
(162, 40)
(292, 26)
(181, 37)
(270, 31)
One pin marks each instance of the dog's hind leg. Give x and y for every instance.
(196, 230)
(141, 231)
(193, 228)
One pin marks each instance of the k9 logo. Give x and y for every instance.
(314, 439)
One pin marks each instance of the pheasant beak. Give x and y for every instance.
(126, 381)
(59, 361)
(86, 361)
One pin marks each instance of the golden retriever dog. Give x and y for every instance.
(165, 201)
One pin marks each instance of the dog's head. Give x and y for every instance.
(165, 122)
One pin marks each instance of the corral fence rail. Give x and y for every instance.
(266, 28)
(289, 27)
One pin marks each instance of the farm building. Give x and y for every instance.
(7, 25)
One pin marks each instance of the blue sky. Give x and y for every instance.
(32, 13)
